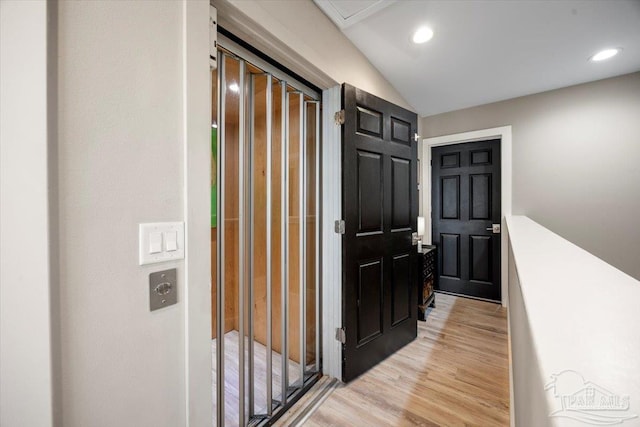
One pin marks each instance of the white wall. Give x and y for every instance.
(528, 403)
(553, 287)
(575, 161)
(197, 211)
(26, 377)
(127, 143)
(123, 127)
(305, 31)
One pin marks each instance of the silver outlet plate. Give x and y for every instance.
(163, 289)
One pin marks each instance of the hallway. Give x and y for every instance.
(455, 373)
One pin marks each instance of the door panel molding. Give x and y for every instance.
(450, 160)
(450, 264)
(370, 274)
(401, 200)
(476, 269)
(447, 206)
(400, 131)
(369, 122)
(480, 157)
(506, 170)
(476, 208)
(370, 182)
(400, 289)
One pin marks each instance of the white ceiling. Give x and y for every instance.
(486, 51)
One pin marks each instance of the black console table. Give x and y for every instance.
(426, 296)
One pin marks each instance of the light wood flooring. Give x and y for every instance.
(455, 373)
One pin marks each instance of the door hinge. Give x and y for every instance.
(416, 137)
(340, 335)
(339, 117)
(339, 226)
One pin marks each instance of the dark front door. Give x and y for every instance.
(465, 205)
(380, 208)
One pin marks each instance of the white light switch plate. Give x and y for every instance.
(148, 242)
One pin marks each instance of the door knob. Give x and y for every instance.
(495, 228)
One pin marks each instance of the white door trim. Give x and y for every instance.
(197, 169)
(504, 133)
(331, 242)
(246, 28)
(29, 295)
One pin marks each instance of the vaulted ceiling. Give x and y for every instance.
(486, 51)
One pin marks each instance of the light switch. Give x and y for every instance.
(155, 242)
(160, 242)
(171, 241)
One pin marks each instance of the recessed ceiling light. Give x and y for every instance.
(233, 87)
(422, 35)
(605, 54)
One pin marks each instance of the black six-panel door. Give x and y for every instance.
(465, 204)
(380, 208)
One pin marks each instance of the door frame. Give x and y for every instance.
(504, 133)
(196, 395)
(331, 241)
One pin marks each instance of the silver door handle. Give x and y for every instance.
(495, 228)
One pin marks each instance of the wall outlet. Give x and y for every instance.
(163, 289)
